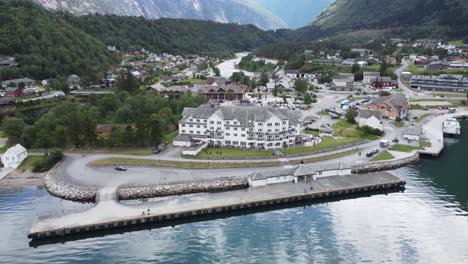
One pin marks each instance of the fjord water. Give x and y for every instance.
(428, 223)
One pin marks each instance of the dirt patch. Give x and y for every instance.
(18, 178)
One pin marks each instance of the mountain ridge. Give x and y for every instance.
(224, 11)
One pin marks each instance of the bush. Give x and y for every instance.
(371, 131)
(48, 163)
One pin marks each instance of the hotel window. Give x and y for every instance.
(269, 124)
(191, 126)
(183, 131)
(219, 122)
(183, 125)
(284, 122)
(191, 131)
(269, 130)
(260, 124)
(211, 122)
(277, 124)
(191, 120)
(243, 135)
(235, 135)
(227, 122)
(228, 128)
(235, 129)
(198, 126)
(227, 134)
(243, 129)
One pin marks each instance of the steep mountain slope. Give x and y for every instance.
(234, 11)
(439, 16)
(297, 13)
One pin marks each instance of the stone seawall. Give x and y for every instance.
(59, 187)
(385, 165)
(219, 185)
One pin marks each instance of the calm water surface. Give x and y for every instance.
(428, 223)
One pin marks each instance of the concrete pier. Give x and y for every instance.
(109, 213)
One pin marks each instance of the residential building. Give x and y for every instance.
(16, 82)
(296, 174)
(371, 118)
(222, 92)
(348, 62)
(393, 106)
(384, 83)
(332, 169)
(7, 104)
(14, 156)
(244, 126)
(171, 91)
(412, 133)
(14, 92)
(444, 82)
(369, 77)
(435, 65)
(74, 81)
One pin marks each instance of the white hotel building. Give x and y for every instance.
(259, 127)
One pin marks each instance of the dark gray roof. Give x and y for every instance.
(246, 115)
(374, 74)
(235, 88)
(398, 100)
(368, 113)
(296, 171)
(331, 166)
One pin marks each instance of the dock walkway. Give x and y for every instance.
(109, 213)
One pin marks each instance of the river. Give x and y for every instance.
(427, 223)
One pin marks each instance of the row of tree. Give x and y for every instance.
(137, 120)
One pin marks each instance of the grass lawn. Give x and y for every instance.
(312, 132)
(137, 152)
(345, 129)
(170, 137)
(322, 113)
(210, 165)
(29, 162)
(399, 124)
(2, 134)
(232, 153)
(422, 117)
(385, 155)
(450, 95)
(407, 148)
(327, 142)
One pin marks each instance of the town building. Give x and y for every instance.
(412, 133)
(444, 82)
(14, 156)
(384, 83)
(332, 169)
(296, 174)
(215, 92)
(369, 77)
(392, 107)
(74, 81)
(371, 118)
(16, 83)
(243, 126)
(7, 104)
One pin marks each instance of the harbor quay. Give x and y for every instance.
(109, 213)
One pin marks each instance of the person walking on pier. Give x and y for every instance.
(148, 213)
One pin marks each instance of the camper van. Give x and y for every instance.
(384, 143)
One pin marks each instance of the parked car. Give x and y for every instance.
(425, 109)
(375, 151)
(120, 168)
(395, 140)
(157, 151)
(384, 143)
(369, 154)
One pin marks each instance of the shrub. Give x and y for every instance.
(48, 163)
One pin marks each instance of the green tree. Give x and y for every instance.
(231, 96)
(307, 99)
(217, 71)
(300, 86)
(355, 68)
(13, 128)
(351, 116)
(264, 79)
(127, 82)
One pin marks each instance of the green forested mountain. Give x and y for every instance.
(406, 17)
(179, 36)
(46, 45)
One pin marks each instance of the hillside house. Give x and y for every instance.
(14, 156)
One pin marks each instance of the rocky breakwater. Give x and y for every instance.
(219, 185)
(385, 165)
(59, 187)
